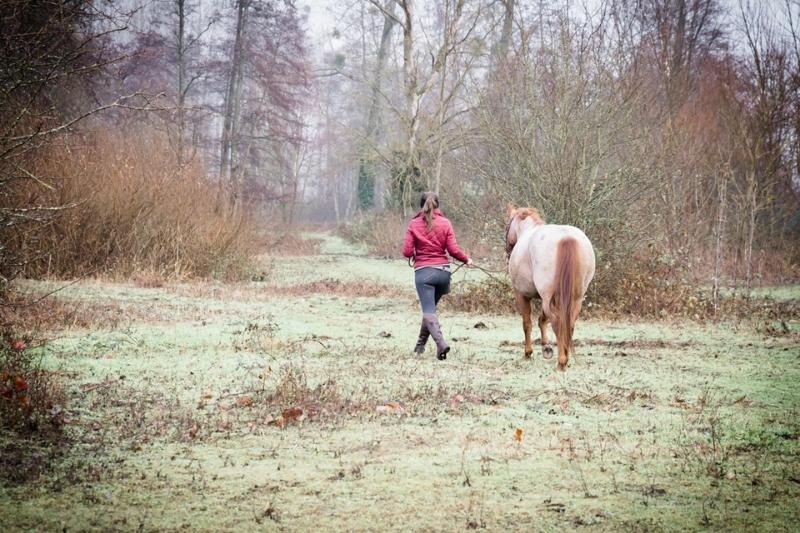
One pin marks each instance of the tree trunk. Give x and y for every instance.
(236, 169)
(437, 178)
(408, 175)
(752, 203)
(232, 104)
(410, 80)
(450, 33)
(437, 175)
(505, 36)
(181, 6)
(366, 167)
(722, 189)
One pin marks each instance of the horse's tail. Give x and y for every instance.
(567, 293)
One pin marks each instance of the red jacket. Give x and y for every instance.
(429, 247)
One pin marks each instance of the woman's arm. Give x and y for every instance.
(408, 243)
(453, 248)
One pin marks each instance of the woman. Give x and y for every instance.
(428, 237)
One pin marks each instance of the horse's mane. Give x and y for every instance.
(529, 212)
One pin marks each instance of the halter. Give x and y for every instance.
(508, 229)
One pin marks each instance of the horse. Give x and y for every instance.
(553, 263)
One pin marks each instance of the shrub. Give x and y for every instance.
(30, 398)
(128, 209)
(493, 295)
(646, 284)
(381, 231)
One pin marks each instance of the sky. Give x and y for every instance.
(320, 22)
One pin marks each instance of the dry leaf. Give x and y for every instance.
(390, 407)
(244, 401)
(455, 400)
(680, 402)
(279, 421)
(292, 413)
(518, 435)
(20, 383)
(744, 400)
(17, 345)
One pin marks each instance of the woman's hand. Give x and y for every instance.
(470, 264)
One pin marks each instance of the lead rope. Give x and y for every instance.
(486, 271)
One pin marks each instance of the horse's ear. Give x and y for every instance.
(510, 209)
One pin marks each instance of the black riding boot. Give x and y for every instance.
(431, 322)
(423, 338)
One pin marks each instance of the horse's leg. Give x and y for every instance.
(544, 320)
(524, 308)
(547, 348)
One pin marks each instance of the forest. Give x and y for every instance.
(664, 124)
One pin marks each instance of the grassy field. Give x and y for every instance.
(294, 403)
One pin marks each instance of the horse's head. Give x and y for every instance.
(516, 216)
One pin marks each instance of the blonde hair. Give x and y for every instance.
(428, 201)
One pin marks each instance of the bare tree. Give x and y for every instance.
(765, 178)
(52, 53)
(232, 104)
(266, 85)
(366, 164)
(559, 130)
(679, 33)
(186, 47)
(407, 172)
(503, 43)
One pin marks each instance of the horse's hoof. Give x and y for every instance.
(547, 352)
(561, 368)
(527, 355)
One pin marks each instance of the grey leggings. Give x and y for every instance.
(432, 283)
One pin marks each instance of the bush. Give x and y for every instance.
(493, 295)
(127, 210)
(381, 231)
(30, 399)
(646, 284)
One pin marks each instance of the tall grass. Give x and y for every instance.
(129, 211)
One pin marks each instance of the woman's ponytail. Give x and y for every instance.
(428, 202)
